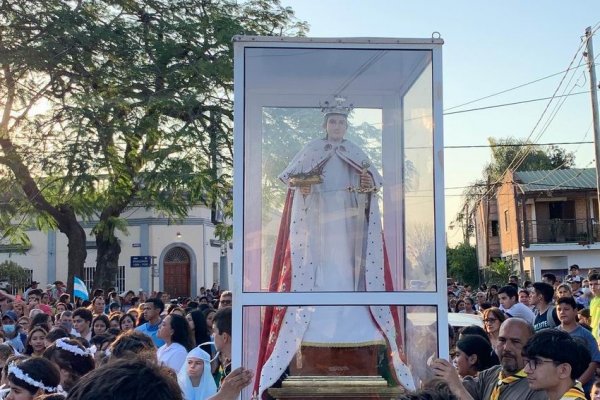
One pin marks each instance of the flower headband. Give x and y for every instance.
(71, 348)
(18, 373)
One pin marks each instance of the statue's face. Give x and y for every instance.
(336, 126)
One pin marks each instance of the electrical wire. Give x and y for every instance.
(513, 145)
(566, 161)
(507, 90)
(596, 27)
(518, 159)
(514, 103)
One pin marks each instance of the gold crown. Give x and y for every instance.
(337, 108)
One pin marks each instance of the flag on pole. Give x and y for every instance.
(79, 289)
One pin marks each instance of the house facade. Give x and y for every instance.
(547, 221)
(487, 230)
(184, 254)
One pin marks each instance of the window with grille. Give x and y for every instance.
(88, 276)
(15, 289)
(89, 273)
(177, 254)
(120, 281)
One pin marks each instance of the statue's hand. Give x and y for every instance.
(366, 182)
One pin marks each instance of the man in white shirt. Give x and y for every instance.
(82, 323)
(509, 301)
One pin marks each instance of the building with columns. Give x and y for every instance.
(185, 252)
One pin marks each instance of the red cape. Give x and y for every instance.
(281, 282)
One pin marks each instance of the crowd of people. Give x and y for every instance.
(539, 341)
(129, 345)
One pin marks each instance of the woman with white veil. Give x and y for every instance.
(194, 378)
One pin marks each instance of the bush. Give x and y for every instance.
(13, 275)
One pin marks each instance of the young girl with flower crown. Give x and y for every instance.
(31, 378)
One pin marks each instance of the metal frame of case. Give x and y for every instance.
(245, 115)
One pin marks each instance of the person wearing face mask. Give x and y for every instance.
(65, 321)
(12, 331)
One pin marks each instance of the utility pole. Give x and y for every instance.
(594, 92)
(466, 227)
(487, 198)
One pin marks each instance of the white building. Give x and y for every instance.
(186, 253)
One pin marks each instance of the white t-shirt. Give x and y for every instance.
(172, 355)
(520, 310)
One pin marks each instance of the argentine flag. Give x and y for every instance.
(79, 289)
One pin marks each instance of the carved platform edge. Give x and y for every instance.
(335, 387)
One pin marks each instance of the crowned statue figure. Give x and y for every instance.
(330, 240)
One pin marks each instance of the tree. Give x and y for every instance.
(534, 158)
(13, 274)
(505, 154)
(138, 108)
(461, 262)
(498, 272)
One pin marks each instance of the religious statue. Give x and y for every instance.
(330, 240)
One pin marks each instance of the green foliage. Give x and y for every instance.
(462, 265)
(498, 272)
(504, 152)
(135, 99)
(105, 228)
(12, 273)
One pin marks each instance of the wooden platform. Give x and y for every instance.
(328, 387)
(337, 361)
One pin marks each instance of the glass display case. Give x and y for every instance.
(338, 196)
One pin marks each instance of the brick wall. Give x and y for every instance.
(507, 216)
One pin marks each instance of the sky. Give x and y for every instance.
(489, 47)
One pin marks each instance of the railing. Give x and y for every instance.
(88, 278)
(561, 231)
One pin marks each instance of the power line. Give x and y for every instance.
(518, 160)
(560, 184)
(511, 89)
(511, 145)
(551, 186)
(566, 160)
(555, 111)
(515, 103)
(596, 26)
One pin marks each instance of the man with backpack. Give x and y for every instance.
(545, 313)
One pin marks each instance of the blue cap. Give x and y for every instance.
(10, 314)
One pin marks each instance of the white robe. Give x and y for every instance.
(323, 231)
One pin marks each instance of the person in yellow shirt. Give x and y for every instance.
(553, 361)
(595, 303)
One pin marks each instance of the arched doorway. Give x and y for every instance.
(176, 267)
